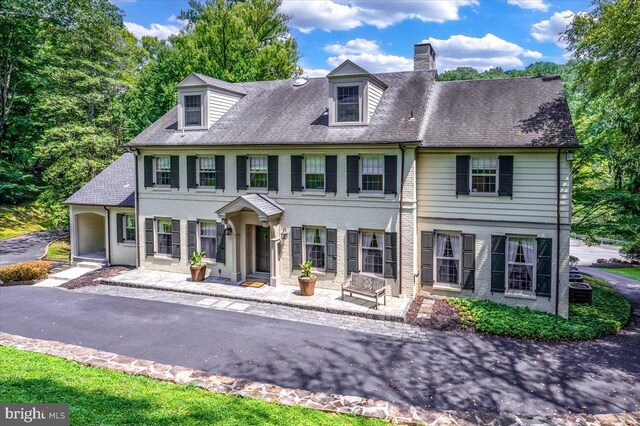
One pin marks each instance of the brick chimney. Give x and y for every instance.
(424, 57)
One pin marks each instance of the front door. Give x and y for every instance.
(262, 249)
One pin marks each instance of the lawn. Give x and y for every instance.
(607, 315)
(59, 250)
(100, 396)
(625, 272)
(21, 220)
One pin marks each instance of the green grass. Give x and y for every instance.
(19, 220)
(100, 396)
(607, 315)
(59, 250)
(626, 272)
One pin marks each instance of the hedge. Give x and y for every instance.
(25, 271)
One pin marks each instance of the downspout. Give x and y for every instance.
(136, 153)
(402, 148)
(557, 231)
(108, 235)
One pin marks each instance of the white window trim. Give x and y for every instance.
(156, 240)
(204, 108)
(304, 175)
(198, 185)
(360, 165)
(435, 261)
(155, 171)
(361, 257)
(257, 188)
(518, 292)
(124, 229)
(497, 175)
(199, 239)
(362, 99)
(304, 245)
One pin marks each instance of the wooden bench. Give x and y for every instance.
(365, 285)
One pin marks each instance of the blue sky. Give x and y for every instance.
(379, 35)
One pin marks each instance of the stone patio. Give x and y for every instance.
(323, 300)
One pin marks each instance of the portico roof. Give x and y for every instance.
(264, 206)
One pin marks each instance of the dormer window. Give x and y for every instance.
(193, 110)
(348, 104)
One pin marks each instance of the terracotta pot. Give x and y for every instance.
(307, 285)
(198, 272)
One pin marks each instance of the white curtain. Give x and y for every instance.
(208, 229)
(455, 244)
(258, 163)
(315, 236)
(442, 240)
(207, 163)
(372, 166)
(367, 238)
(314, 165)
(512, 249)
(527, 248)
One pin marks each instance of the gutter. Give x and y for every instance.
(108, 240)
(136, 154)
(558, 231)
(402, 148)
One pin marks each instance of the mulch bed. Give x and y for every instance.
(92, 277)
(443, 315)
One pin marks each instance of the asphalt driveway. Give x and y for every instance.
(25, 247)
(449, 371)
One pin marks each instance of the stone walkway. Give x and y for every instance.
(345, 322)
(355, 405)
(59, 278)
(323, 300)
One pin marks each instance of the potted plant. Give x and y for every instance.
(307, 280)
(198, 267)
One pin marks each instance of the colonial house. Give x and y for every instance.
(462, 188)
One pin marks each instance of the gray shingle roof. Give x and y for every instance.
(517, 112)
(276, 112)
(232, 87)
(114, 186)
(264, 204)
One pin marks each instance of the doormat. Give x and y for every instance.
(254, 284)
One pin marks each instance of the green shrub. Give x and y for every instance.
(607, 315)
(25, 271)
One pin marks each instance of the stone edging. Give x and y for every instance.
(355, 405)
(212, 293)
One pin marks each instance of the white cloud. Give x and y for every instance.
(155, 30)
(481, 53)
(530, 4)
(315, 72)
(368, 55)
(550, 30)
(331, 15)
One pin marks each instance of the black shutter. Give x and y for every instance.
(498, 243)
(468, 261)
(148, 237)
(390, 174)
(175, 238)
(352, 251)
(148, 171)
(332, 250)
(192, 227)
(272, 177)
(331, 171)
(175, 171)
(221, 241)
(119, 220)
(353, 174)
(220, 172)
(543, 268)
(296, 173)
(296, 247)
(191, 171)
(390, 254)
(505, 175)
(426, 257)
(241, 172)
(462, 174)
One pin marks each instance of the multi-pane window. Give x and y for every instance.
(163, 170)
(372, 251)
(314, 172)
(448, 258)
(372, 172)
(520, 259)
(258, 166)
(484, 174)
(208, 239)
(207, 171)
(348, 104)
(315, 240)
(129, 227)
(164, 236)
(193, 110)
